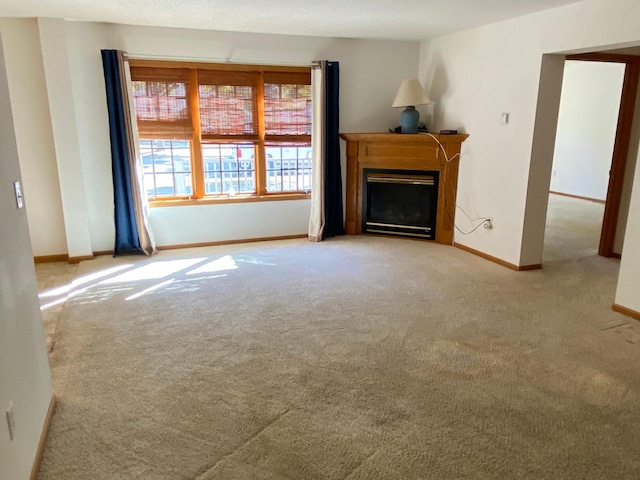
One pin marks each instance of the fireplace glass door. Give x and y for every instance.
(400, 202)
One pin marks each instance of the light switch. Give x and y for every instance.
(504, 118)
(18, 189)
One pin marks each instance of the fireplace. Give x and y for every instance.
(386, 204)
(400, 202)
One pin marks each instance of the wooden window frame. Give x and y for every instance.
(260, 140)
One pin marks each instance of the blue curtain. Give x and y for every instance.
(334, 220)
(127, 239)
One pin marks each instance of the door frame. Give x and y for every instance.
(621, 143)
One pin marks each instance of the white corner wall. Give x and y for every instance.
(25, 379)
(474, 76)
(66, 140)
(34, 137)
(365, 106)
(632, 161)
(629, 279)
(587, 124)
(74, 81)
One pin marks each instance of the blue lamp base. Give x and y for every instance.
(409, 120)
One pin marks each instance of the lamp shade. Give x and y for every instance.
(411, 93)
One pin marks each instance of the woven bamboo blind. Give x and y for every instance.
(161, 98)
(287, 103)
(228, 103)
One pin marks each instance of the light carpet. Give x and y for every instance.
(356, 358)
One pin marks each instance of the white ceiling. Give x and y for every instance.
(383, 19)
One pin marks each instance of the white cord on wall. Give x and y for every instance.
(442, 148)
(486, 222)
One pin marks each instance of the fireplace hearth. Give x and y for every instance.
(400, 202)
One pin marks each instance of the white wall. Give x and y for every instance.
(66, 139)
(233, 221)
(632, 160)
(629, 279)
(34, 135)
(475, 75)
(370, 74)
(587, 125)
(471, 79)
(24, 369)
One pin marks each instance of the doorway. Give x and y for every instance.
(615, 212)
(585, 138)
(625, 147)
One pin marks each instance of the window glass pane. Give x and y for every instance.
(166, 166)
(181, 158)
(246, 182)
(229, 164)
(182, 182)
(246, 164)
(149, 187)
(288, 180)
(288, 167)
(230, 183)
(213, 183)
(274, 181)
(164, 185)
(229, 168)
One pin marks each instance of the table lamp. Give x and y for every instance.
(409, 95)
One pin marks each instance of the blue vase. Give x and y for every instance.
(409, 120)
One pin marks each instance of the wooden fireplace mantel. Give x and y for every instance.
(418, 151)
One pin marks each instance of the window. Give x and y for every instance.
(211, 131)
(227, 170)
(166, 165)
(288, 167)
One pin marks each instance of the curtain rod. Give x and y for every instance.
(133, 56)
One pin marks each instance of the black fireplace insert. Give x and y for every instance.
(400, 202)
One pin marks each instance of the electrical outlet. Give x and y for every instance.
(488, 224)
(11, 421)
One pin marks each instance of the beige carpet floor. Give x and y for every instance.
(357, 358)
(54, 278)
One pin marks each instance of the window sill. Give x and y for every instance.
(224, 200)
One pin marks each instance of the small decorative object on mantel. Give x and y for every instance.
(409, 95)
